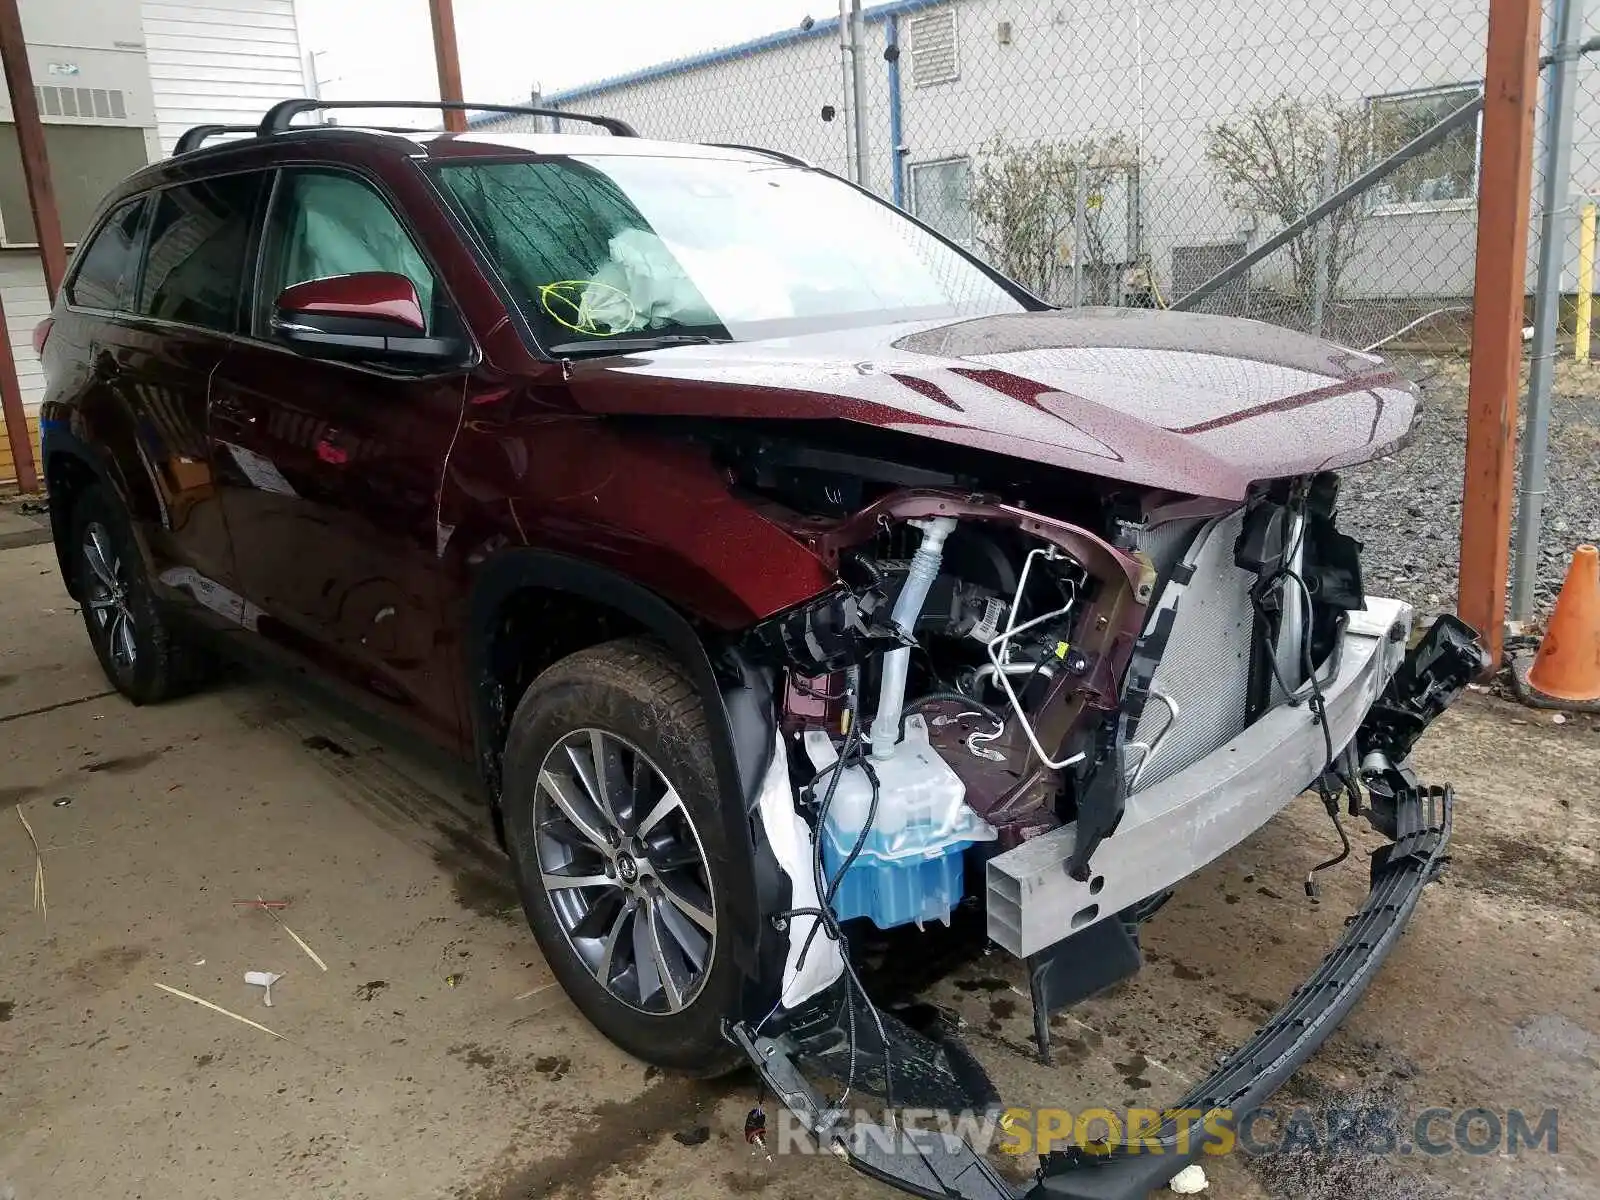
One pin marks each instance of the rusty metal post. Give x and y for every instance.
(444, 52)
(1509, 92)
(16, 417)
(30, 141)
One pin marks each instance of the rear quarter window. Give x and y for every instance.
(110, 262)
(195, 269)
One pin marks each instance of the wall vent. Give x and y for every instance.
(933, 48)
(86, 104)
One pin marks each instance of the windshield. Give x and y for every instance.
(652, 250)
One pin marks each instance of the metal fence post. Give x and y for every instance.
(1321, 268)
(1080, 224)
(858, 93)
(897, 135)
(1580, 339)
(847, 108)
(1566, 25)
(1510, 76)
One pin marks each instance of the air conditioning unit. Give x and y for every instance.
(92, 85)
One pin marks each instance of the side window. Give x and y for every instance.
(327, 223)
(199, 234)
(110, 262)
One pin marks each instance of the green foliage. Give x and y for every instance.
(1023, 202)
(1273, 160)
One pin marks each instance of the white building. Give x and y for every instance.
(117, 82)
(949, 80)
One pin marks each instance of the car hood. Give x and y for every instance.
(1187, 402)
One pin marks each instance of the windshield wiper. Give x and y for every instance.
(630, 345)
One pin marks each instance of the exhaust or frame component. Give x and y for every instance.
(1432, 677)
(1174, 827)
(825, 634)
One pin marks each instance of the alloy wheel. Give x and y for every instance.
(625, 871)
(107, 597)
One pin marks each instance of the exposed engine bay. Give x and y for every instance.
(1064, 717)
(983, 673)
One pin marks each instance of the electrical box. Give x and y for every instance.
(88, 63)
(91, 82)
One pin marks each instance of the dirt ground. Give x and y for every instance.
(435, 1058)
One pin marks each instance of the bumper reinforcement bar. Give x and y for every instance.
(937, 1165)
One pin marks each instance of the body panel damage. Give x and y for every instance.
(1196, 404)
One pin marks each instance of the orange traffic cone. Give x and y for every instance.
(1568, 665)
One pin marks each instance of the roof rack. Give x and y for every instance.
(280, 115)
(793, 160)
(192, 138)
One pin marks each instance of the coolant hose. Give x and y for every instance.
(907, 608)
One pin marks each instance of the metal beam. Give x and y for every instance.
(1510, 89)
(1425, 140)
(30, 141)
(1555, 209)
(858, 92)
(16, 417)
(448, 60)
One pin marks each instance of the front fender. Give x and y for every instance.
(738, 708)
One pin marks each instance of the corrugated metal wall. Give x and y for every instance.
(213, 61)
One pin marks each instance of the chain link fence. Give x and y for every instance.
(1107, 152)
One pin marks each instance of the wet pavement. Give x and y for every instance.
(435, 1056)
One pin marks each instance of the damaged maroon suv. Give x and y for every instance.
(779, 567)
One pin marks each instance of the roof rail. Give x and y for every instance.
(193, 138)
(280, 115)
(793, 160)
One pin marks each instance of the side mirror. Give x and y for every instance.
(372, 314)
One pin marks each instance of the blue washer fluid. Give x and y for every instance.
(910, 865)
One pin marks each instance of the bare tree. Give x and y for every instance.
(1024, 199)
(1272, 157)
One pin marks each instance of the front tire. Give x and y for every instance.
(139, 652)
(611, 817)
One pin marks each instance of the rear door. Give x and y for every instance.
(155, 361)
(331, 469)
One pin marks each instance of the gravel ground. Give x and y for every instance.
(1407, 508)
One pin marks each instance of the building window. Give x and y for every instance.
(933, 48)
(1445, 174)
(941, 196)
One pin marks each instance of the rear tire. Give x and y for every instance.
(143, 657)
(641, 950)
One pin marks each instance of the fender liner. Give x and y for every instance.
(739, 714)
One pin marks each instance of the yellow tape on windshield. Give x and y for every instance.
(567, 303)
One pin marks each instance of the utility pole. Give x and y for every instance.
(1510, 77)
(30, 141)
(448, 60)
(1566, 20)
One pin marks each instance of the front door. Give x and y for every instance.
(331, 469)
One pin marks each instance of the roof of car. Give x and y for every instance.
(437, 144)
(445, 145)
